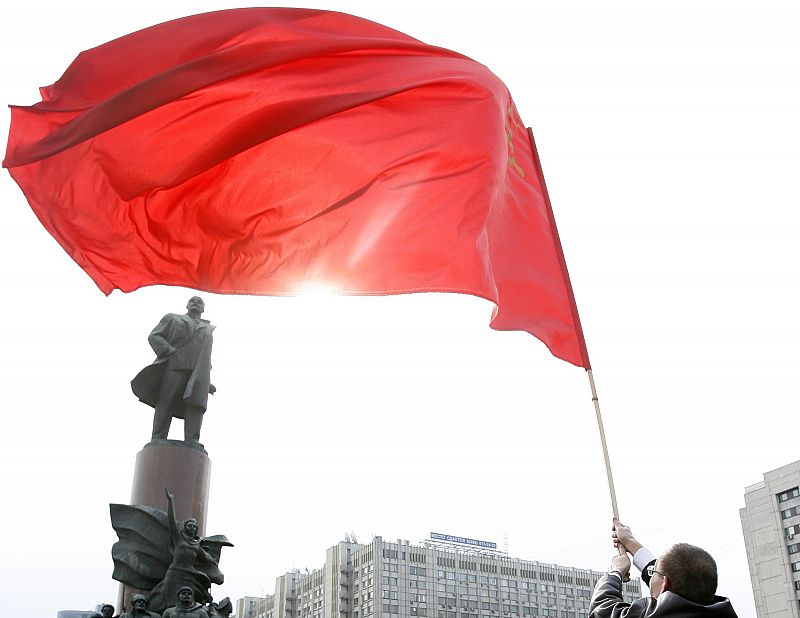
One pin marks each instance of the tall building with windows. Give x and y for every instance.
(771, 528)
(386, 579)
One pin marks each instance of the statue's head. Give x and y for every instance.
(185, 596)
(139, 601)
(107, 611)
(196, 305)
(190, 527)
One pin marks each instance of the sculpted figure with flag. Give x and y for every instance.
(158, 554)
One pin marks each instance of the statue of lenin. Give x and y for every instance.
(178, 382)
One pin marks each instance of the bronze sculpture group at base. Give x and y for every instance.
(185, 607)
(157, 553)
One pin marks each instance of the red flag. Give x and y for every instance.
(253, 151)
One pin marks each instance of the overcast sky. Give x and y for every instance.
(668, 133)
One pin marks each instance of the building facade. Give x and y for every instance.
(771, 528)
(386, 579)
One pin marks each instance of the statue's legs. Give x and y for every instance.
(192, 421)
(172, 386)
(162, 419)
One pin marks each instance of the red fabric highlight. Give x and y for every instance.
(255, 151)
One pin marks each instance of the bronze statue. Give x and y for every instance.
(186, 606)
(107, 610)
(178, 382)
(140, 604)
(157, 553)
(224, 608)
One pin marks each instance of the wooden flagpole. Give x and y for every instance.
(576, 320)
(610, 477)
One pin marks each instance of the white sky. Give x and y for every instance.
(669, 137)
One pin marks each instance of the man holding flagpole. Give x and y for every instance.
(682, 581)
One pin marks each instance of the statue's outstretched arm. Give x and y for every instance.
(173, 523)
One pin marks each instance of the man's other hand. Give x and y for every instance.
(622, 563)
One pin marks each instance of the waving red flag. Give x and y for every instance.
(253, 151)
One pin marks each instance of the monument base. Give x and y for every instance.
(185, 470)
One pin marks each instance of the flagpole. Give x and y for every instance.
(596, 401)
(576, 320)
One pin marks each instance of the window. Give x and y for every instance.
(792, 530)
(796, 567)
(797, 585)
(794, 548)
(788, 494)
(451, 575)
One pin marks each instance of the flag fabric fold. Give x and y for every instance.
(257, 151)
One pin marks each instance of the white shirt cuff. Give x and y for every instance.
(642, 558)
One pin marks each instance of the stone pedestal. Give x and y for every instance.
(182, 468)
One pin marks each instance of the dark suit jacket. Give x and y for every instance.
(607, 602)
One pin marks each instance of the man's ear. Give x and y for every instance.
(666, 584)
